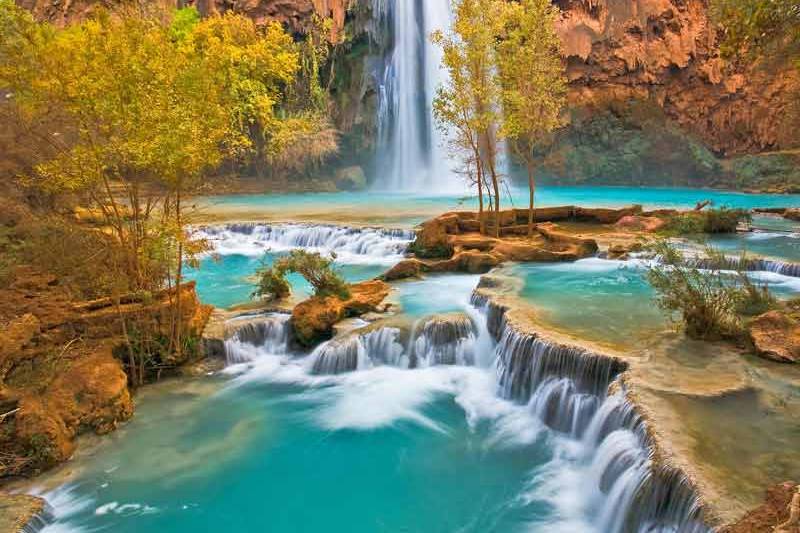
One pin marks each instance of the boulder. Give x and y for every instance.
(776, 336)
(313, 319)
(471, 261)
(350, 179)
(648, 224)
(407, 268)
(92, 393)
(433, 240)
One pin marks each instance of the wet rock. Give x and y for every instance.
(792, 214)
(313, 319)
(407, 268)
(776, 336)
(21, 513)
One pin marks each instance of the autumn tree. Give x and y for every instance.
(467, 105)
(534, 87)
(133, 109)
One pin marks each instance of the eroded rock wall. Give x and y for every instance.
(666, 51)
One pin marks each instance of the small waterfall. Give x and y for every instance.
(359, 351)
(268, 335)
(351, 244)
(411, 146)
(40, 521)
(445, 340)
(784, 268)
(438, 340)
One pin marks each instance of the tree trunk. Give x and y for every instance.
(481, 219)
(532, 189)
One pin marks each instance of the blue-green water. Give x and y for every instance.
(230, 279)
(408, 209)
(607, 300)
(381, 450)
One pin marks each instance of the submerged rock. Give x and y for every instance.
(776, 336)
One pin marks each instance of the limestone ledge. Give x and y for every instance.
(499, 292)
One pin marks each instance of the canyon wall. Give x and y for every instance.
(651, 100)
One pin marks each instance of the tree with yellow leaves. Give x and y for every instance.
(533, 83)
(467, 106)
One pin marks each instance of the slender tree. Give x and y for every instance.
(533, 83)
(467, 106)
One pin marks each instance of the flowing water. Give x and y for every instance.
(411, 155)
(445, 428)
(227, 276)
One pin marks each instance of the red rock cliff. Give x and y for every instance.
(666, 51)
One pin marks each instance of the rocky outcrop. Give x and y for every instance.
(20, 513)
(91, 394)
(666, 52)
(313, 319)
(776, 336)
(454, 238)
(58, 373)
(779, 513)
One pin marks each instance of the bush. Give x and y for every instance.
(317, 270)
(710, 301)
(721, 220)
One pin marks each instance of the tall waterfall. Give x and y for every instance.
(412, 158)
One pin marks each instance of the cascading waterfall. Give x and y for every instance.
(350, 244)
(411, 146)
(445, 340)
(566, 387)
(784, 268)
(438, 340)
(269, 334)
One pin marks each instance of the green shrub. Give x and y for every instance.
(316, 269)
(722, 220)
(710, 301)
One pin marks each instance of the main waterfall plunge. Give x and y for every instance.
(411, 154)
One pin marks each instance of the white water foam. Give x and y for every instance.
(351, 245)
